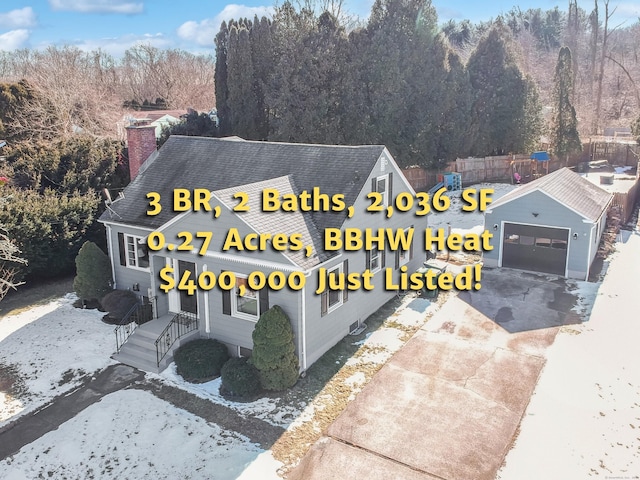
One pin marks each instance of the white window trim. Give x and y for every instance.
(136, 241)
(371, 258)
(338, 304)
(407, 256)
(385, 195)
(234, 303)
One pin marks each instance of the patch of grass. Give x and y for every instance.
(11, 382)
(34, 294)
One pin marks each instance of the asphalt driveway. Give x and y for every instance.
(448, 404)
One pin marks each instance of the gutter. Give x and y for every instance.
(110, 247)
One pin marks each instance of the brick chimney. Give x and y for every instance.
(141, 140)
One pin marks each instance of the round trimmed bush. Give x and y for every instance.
(240, 378)
(117, 304)
(200, 360)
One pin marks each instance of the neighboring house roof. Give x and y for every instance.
(567, 188)
(287, 223)
(219, 163)
(154, 115)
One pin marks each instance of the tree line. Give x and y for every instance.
(58, 114)
(429, 93)
(300, 77)
(89, 91)
(52, 192)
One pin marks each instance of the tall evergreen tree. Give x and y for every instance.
(454, 135)
(221, 85)
(243, 111)
(564, 129)
(307, 84)
(406, 70)
(262, 56)
(635, 128)
(501, 97)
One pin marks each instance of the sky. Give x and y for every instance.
(115, 25)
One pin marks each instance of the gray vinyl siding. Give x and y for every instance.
(323, 332)
(126, 277)
(549, 213)
(227, 328)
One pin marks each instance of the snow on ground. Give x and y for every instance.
(378, 347)
(584, 416)
(133, 434)
(460, 220)
(267, 409)
(621, 170)
(49, 348)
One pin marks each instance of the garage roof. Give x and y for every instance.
(567, 188)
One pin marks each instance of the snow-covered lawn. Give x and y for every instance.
(132, 434)
(584, 417)
(48, 349)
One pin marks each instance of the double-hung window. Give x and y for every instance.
(245, 303)
(383, 185)
(133, 251)
(374, 259)
(335, 296)
(403, 256)
(331, 299)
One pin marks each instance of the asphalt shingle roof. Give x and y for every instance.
(219, 163)
(279, 221)
(569, 189)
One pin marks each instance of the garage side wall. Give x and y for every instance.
(538, 209)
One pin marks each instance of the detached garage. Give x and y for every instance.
(551, 225)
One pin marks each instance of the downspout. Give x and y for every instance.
(303, 327)
(605, 211)
(590, 247)
(110, 246)
(303, 333)
(207, 325)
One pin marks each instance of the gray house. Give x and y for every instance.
(551, 225)
(147, 238)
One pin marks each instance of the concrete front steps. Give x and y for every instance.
(139, 350)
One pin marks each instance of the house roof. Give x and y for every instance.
(154, 115)
(287, 223)
(220, 163)
(567, 188)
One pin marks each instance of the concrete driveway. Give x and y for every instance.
(448, 404)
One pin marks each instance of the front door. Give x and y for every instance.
(179, 300)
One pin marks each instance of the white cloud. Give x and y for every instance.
(628, 10)
(98, 6)
(116, 46)
(204, 32)
(13, 39)
(19, 18)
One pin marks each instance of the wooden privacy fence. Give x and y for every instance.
(626, 201)
(498, 168)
